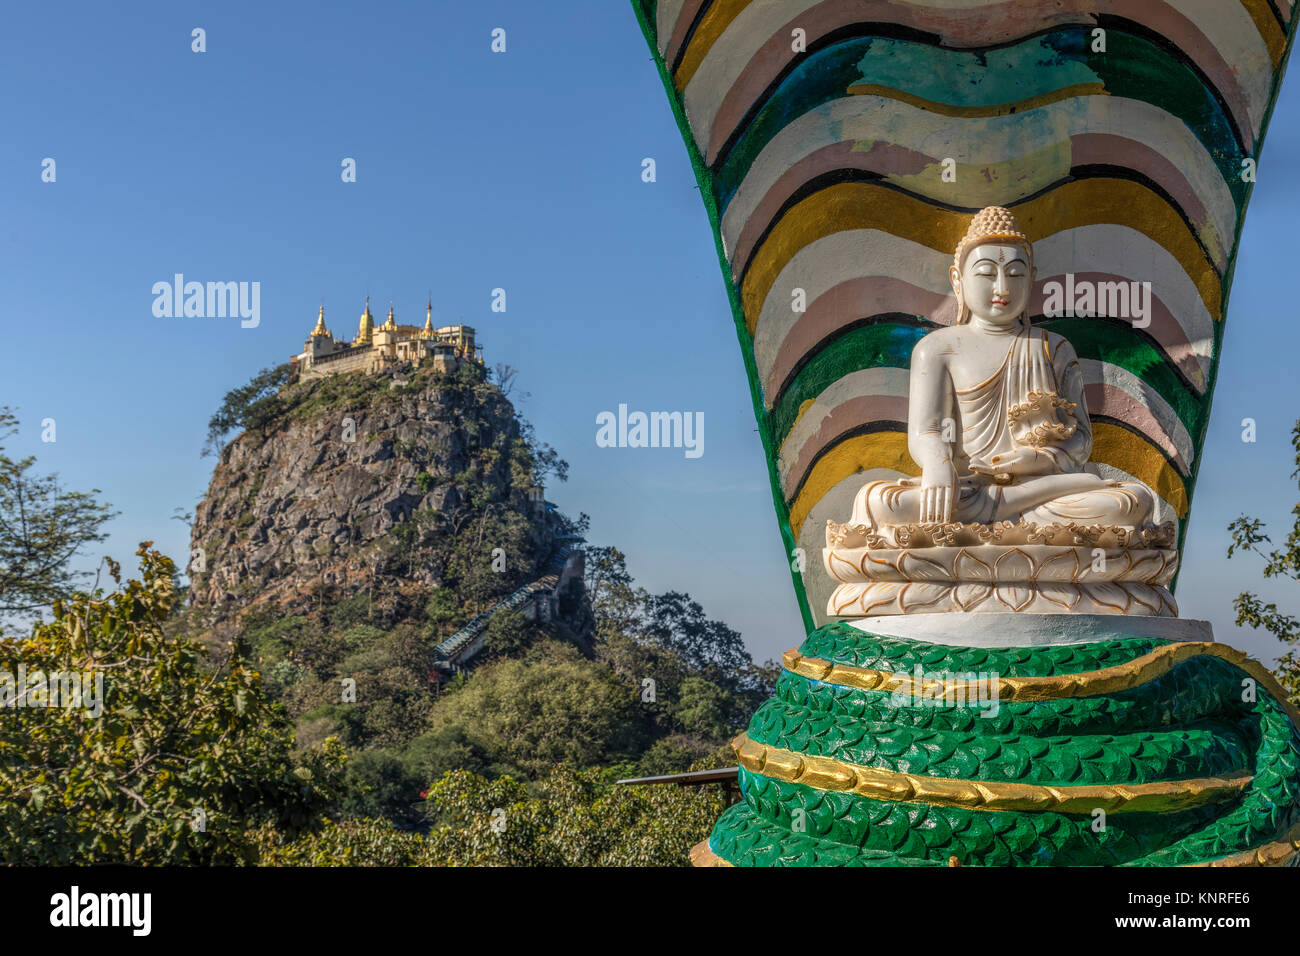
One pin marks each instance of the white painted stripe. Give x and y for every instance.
(1095, 373)
(858, 253)
(1225, 23)
(986, 141)
(962, 629)
(839, 257)
(665, 21)
(881, 381)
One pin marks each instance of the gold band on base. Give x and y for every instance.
(825, 773)
(1107, 680)
(701, 856)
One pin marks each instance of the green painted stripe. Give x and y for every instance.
(1134, 68)
(1128, 349)
(887, 342)
(932, 834)
(890, 343)
(1180, 695)
(845, 644)
(1205, 748)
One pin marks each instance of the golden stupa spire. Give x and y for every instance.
(367, 324)
(389, 323)
(320, 323)
(427, 332)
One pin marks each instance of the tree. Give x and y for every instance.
(546, 461)
(504, 376)
(677, 623)
(42, 527)
(609, 584)
(249, 406)
(525, 715)
(118, 746)
(577, 818)
(1248, 535)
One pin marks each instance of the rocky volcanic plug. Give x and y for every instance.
(352, 485)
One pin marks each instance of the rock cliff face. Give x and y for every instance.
(370, 484)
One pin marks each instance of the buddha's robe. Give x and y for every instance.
(1035, 362)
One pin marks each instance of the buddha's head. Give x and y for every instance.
(993, 271)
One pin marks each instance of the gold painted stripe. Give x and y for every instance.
(1141, 458)
(874, 450)
(713, 25)
(702, 855)
(1071, 205)
(1278, 853)
(825, 773)
(1269, 29)
(1000, 109)
(1106, 680)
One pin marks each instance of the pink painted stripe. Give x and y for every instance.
(1164, 327)
(684, 20)
(872, 295)
(843, 303)
(1113, 402)
(979, 27)
(846, 416)
(881, 158)
(888, 159)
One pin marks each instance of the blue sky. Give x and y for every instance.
(475, 171)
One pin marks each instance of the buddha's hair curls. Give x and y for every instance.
(992, 224)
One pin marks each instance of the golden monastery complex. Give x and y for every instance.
(376, 349)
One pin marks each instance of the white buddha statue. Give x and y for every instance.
(997, 419)
(1003, 517)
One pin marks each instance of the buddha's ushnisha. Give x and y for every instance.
(997, 419)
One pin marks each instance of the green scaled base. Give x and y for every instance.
(886, 751)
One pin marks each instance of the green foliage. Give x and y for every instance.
(355, 610)
(251, 406)
(443, 611)
(175, 744)
(1248, 535)
(42, 527)
(383, 783)
(527, 714)
(576, 819)
(704, 709)
(363, 842)
(392, 671)
(509, 634)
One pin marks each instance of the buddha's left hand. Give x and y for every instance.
(1021, 462)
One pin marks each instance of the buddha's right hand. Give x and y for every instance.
(938, 492)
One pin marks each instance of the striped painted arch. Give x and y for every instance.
(841, 147)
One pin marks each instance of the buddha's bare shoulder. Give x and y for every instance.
(940, 343)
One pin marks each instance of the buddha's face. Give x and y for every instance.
(995, 283)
